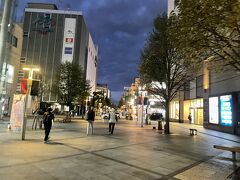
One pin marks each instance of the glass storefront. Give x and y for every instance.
(195, 107)
(174, 110)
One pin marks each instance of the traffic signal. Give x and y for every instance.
(35, 88)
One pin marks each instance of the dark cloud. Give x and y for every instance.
(120, 28)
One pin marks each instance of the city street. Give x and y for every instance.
(131, 152)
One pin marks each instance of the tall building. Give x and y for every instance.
(51, 37)
(104, 89)
(171, 7)
(92, 64)
(10, 45)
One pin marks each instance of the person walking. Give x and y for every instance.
(190, 118)
(90, 119)
(112, 120)
(47, 121)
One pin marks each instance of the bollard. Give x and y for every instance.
(159, 125)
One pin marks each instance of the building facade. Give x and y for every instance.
(103, 88)
(52, 37)
(10, 46)
(212, 98)
(92, 64)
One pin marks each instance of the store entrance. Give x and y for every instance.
(197, 115)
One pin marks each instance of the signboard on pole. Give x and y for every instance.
(68, 40)
(17, 113)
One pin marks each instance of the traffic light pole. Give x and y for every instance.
(24, 124)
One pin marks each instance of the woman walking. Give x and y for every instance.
(112, 120)
(90, 119)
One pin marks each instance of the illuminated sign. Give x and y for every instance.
(44, 24)
(226, 110)
(68, 50)
(213, 110)
(68, 39)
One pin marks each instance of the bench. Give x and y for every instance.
(233, 149)
(193, 132)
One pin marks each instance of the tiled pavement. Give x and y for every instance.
(131, 153)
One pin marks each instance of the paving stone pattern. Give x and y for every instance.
(130, 153)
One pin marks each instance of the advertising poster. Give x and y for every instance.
(68, 40)
(17, 114)
(226, 110)
(213, 110)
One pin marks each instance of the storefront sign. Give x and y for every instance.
(226, 110)
(68, 40)
(213, 110)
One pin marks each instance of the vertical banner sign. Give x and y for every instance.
(68, 40)
(17, 113)
(226, 110)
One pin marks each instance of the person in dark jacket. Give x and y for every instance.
(190, 118)
(47, 121)
(90, 119)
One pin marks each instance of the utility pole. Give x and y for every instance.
(3, 44)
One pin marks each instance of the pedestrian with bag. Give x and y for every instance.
(112, 120)
(90, 119)
(47, 121)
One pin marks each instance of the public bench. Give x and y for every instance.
(233, 149)
(193, 132)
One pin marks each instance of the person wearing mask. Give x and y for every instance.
(90, 119)
(47, 121)
(112, 120)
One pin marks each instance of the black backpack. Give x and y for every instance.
(47, 118)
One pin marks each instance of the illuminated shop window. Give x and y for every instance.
(226, 110)
(213, 110)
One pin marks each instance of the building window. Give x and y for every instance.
(25, 34)
(14, 41)
(22, 60)
(199, 82)
(9, 37)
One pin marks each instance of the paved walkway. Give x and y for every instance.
(131, 153)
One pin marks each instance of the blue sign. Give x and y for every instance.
(226, 110)
(68, 50)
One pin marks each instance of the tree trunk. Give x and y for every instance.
(167, 119)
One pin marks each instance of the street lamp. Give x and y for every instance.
(30, 69)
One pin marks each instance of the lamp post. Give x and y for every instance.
(30, 70)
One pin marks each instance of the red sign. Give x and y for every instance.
(23, 84)
(69, 40)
